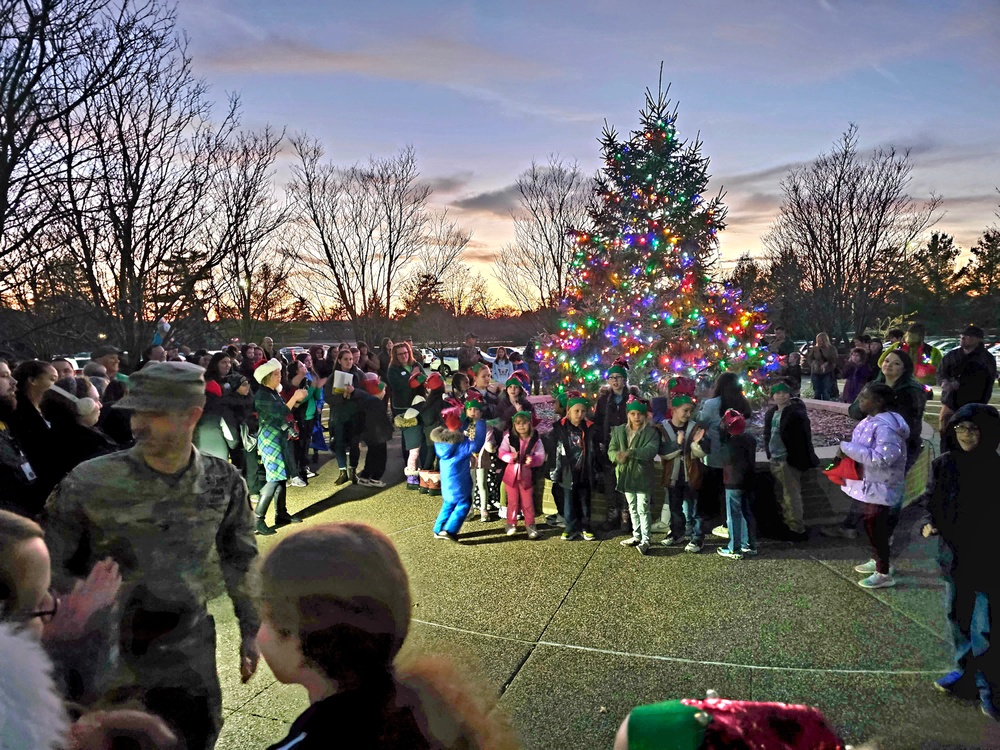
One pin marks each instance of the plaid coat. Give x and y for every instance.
(272, 438)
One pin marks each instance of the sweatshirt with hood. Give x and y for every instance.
(879, 445)
(959, 503)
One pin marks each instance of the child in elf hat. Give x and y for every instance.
(549, 441)
(573, 446)
(377, 432)
(682, 473)
(738, 476)
(413, 434)
(632, 448)
(521, 450)
(479, 462)
(513, 400)
(789, 448)
(454, 449)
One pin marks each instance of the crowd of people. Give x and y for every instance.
(119, 491)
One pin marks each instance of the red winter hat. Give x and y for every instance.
(214, 389)
(844, 469)
(681, 386)
(452, 419)
(734, 422)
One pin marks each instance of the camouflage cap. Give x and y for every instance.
(165, 386)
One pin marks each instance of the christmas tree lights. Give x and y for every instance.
(642, 285)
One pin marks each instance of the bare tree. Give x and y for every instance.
(465, 292)
(366, 226)
(534, 269)
(251, 282)
(137, 189)
(56, 56)
(847, 221)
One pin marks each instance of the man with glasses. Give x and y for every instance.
(161, 510)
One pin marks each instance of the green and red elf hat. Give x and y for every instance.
(779, 387)
(637, 404)
(431, 382)
(680, 400)
(474, 403)
(681, 385)
(514, 381)
(474, 370)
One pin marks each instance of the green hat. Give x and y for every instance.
(473, 404)
(165, 386)
(618, 370)
(780, 387)
(514, 381)
(639, 406)
(672, 724)
(522, 415)
(477, 367)
(681, 400)
(582, 400)
(563, 399)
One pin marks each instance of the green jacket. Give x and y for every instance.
(636, 474)
(926, 362)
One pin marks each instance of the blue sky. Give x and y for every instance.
(480, 89)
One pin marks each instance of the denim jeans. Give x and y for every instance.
(742, 526)
(969, 617)
(684, 518)
(823, 386)
(576, 508)
(345, 443)
(638, 509)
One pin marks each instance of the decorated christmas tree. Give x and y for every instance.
(643, 286)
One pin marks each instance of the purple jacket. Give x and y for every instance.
(879, 445)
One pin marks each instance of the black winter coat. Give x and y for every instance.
(558, 442)
(741, 465)
(960, 503)
(796, 434)
(967, 378)
(609, 415)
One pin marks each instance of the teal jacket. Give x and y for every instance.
(636, 474)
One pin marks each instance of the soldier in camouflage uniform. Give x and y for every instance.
(159, 510)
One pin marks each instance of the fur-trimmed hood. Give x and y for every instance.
(442, 434)
(32, 716)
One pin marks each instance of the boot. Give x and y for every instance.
(424, 485)
(412, 482)
(262, 528)
(434, 483)
(343, 478)
(352, 474)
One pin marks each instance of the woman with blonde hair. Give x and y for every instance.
(823, 360)
(335, 613)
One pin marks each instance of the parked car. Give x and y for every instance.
(76, 364)
(946, 344)
(492, 351)
(995, 351)
(445, 363)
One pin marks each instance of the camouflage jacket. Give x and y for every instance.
(162, 530)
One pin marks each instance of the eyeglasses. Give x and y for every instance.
(46, 615)
(967, 428)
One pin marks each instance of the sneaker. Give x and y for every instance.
(694, 547)
(724, 552)
(748, 551)
(567, 537)
(869, 567)
(441, 535)
(560, 522)
(877, 581)
(660, 527)
(630, 542)
(502, 511)
(285, 520)
(511, 530)
(484, 516)
(589, 536)
(955, 683)
(643, 548)
(721, 531)
(532, 532)
(669, 541)
(310, 473)
(298, 482)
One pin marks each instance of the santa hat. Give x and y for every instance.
(522, 377)
(844, 470)
(452, 419)
(734, 422)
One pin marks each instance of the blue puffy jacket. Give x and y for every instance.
(454, 449)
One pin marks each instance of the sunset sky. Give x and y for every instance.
(480, 89)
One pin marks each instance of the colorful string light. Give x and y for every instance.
(641, 283)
